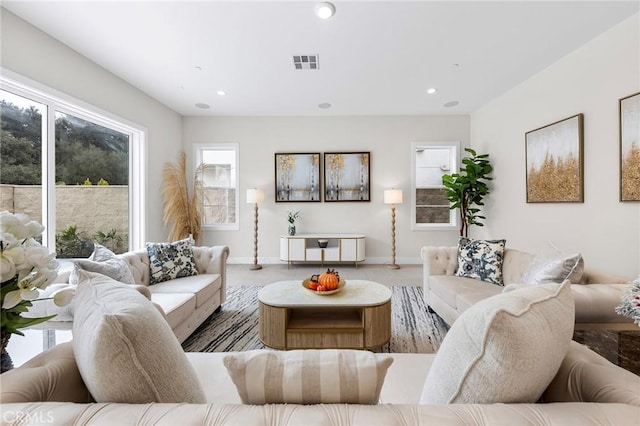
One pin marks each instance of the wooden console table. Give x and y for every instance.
(357, 317)
(305, 248)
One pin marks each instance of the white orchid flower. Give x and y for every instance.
(37, 255)
(20, 225)
(11, 262)
(24, 292)
(63, 297)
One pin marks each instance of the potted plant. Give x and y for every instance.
(467, 189)
(291, 218)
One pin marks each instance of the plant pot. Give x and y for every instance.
(6, 362)
(292, 229)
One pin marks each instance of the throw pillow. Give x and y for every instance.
(312, 376)
(544, 270)
(105, 262)
(125, 351)
(481, 259)
(168, 261)
(504, 349)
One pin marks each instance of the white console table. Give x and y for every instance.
(305, 248)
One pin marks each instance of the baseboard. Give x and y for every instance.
(370, 260)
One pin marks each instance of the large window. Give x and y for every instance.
(76, 170)
(217, 170)
(430, 206)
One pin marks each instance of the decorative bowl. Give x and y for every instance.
(306, 281)
(323, 243)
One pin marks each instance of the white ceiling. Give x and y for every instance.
(376, 58)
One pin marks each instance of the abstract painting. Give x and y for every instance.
(555, 163)
(346, 176)
(297, 177)
(629, 109)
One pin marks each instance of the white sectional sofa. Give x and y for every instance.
(449, 295)
(185, 302)
(587, 390)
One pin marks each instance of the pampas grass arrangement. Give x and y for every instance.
(184, 211)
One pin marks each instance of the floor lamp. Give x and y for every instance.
(393, 197)
(255, 197)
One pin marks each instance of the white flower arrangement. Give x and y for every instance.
(26, 268)
(630, 304)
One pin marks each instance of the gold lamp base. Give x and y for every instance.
(255, 267)
(393, 266)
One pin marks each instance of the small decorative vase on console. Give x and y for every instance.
(292, 229)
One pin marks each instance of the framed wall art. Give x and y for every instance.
(554, 162)
(346, 176)
(297, 177)
(629, 112)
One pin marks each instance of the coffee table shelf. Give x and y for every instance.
(291, 317)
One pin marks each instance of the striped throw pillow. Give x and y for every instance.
(309, 376)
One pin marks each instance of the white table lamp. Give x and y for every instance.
(393, 197)
(255, 196)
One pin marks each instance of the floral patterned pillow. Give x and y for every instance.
(481, 259)
(171, 260)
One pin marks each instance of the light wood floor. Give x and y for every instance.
(240, 274)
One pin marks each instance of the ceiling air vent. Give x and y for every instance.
(306, 62)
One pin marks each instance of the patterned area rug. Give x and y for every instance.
(235, 327)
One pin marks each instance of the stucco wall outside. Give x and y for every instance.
(89, 208)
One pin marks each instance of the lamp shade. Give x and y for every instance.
(393, 196)
(255, 196)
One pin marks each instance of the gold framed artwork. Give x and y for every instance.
(629, 113)
(555, 164)
(297, 177)
(346, 176)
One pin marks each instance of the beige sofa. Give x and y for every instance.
(449, 295)
(185, 302)
(587, 390)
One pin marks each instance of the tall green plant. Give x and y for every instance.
(467, 189)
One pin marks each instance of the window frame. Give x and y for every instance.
(198, 149)
(55, 100)
(454, 161)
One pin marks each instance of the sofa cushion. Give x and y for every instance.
(504, 349)
(177, 307)
(554, 269)
(481, 259)
(125, 351)
(204, 286)
(449, 288)
(168, 261)
(311, 376)
(105, 262)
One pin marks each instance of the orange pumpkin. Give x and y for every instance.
(329, 280)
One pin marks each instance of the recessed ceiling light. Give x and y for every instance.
(432, 90)
(221, 93)
(325, 10)
(451, 104)
(324, 105)
(202, 105)
(199, 68)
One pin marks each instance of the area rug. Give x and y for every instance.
(235, 327)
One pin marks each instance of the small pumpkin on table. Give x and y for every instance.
(326, 281)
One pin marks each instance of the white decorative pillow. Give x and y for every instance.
(311, 376)
(125, 351)
(481, 259)
(105, 262)
(504, 349)
(168, 261)
(544, 270)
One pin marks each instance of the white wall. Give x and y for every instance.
(387, 138)
(28, 51)
(590, 80)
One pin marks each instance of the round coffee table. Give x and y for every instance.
(292, 317)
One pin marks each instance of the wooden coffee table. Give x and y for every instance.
(292, 317)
